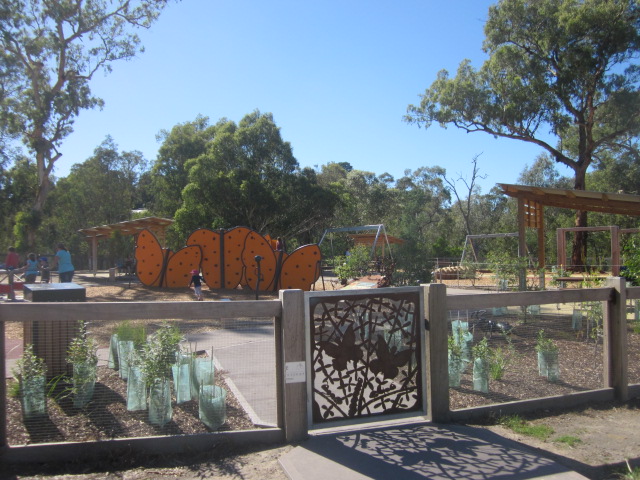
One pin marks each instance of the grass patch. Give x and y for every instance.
(569, 440)
(631, 473)
(519, 425)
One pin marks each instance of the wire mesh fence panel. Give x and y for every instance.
(633, 341)
(138, 378)
(512, 353)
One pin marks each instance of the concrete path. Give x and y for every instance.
(245, 353)
(418, 451)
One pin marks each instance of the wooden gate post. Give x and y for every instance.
(294, 395)
(616, 361)
(437, 352)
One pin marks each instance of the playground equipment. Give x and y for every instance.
(227, 259)
(379, 239)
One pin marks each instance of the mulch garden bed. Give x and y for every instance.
(580, 363)
(106, 416)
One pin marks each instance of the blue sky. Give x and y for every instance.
(336, 75)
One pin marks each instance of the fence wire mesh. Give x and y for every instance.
(224, 378)
(524, 352)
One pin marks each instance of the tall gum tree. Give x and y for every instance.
(561, 74)
(50, 51)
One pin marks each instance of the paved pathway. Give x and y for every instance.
(246, 354)
(418, 451)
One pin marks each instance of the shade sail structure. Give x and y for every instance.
(157, 225)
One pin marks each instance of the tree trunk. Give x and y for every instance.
(579, 250)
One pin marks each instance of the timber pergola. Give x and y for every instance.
(156, 225)
(532, 200)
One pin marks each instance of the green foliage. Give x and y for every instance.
(569, 440)
(249, 176)
(506, 266)
(51, 50)
(127, 332)
(13, 389)
(455, 349)
(514, 95)
(498, 363)
(631, 254)
(169, 175)
(26, 222)
(595, 317)
(630, 473)
(159, 353)
(29, 365)
(482, 350)
(545, 344)
(519, 425)
(354, 265)
(82, 348)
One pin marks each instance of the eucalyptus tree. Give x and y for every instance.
(248, 176)
(18, 185)
(99, 191)
(168, 176)
(420, 220)
(561, 74)
(50, 50)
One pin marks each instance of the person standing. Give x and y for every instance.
(62, 259)
(44, 270)
(196, 281)
(31, 269)
(12, 261)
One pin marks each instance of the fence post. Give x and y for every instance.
(293, 354)
(3, 389)
(435, 312)
(614, 341)
(12, 293)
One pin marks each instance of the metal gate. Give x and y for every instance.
(366, 354)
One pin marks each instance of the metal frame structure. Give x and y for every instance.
(379, 228)
(469, 241)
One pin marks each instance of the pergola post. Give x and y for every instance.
(94, 255)
(522, 241)
(615, 250)
(541, 253)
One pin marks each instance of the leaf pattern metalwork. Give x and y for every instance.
(366, 352)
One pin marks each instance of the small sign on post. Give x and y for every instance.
(294, 372)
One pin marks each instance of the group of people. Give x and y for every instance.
(34, 265)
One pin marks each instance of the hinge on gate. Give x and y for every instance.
(426, 324)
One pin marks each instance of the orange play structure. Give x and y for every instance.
(227, 259)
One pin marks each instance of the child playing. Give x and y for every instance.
(31, 271)
(196, 281)
(44, 270)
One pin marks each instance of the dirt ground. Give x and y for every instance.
(604, 435)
